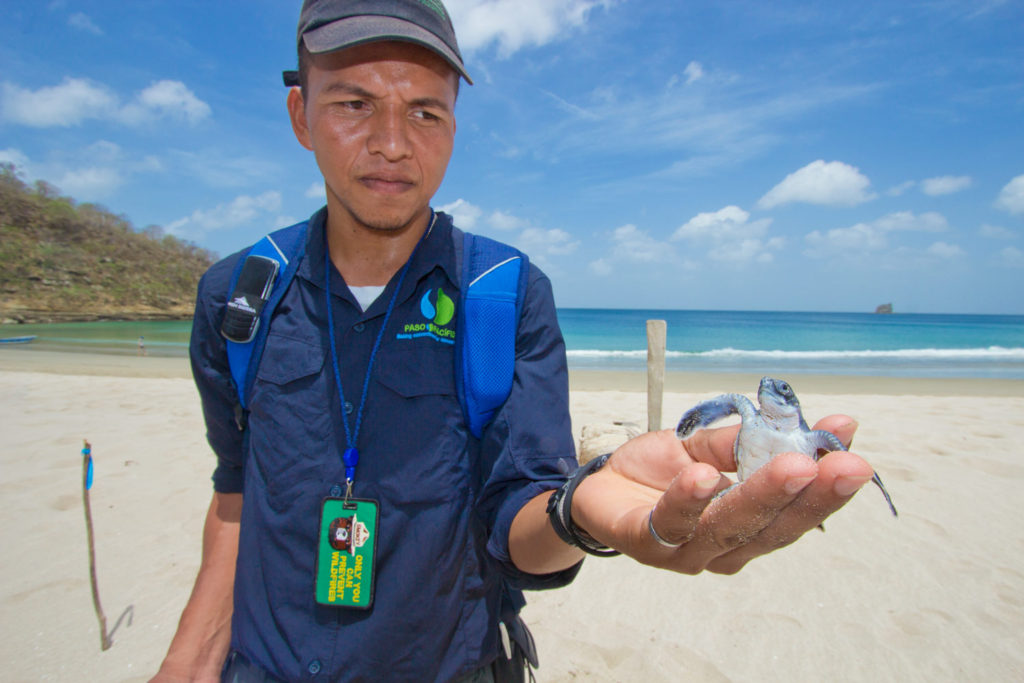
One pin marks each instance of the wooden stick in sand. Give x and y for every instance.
(86, 485)
(656, 333)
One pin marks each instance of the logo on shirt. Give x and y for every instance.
(438, 311)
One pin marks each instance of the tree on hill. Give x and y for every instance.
(60, 260)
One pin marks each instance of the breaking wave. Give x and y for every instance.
(991, 361)
(990, 353)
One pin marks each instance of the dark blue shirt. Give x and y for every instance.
(447, 500)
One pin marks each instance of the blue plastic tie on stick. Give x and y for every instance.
(87, 453)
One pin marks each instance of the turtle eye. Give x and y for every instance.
(785, 388)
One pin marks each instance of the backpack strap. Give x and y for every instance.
(286, 246)
(493, 279)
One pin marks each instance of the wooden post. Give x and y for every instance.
(86, 459)
(656, 333)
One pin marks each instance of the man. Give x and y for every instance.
(344, 412)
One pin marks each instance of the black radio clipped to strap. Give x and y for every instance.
(255, 282)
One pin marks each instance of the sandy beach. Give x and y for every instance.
(935, 595)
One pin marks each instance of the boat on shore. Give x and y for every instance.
(18, 340)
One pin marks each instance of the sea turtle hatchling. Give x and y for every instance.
(777, 427)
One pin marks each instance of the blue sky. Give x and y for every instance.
(715, 154)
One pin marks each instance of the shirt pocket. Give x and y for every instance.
(423, 445)
(421, 372)
(289, 420)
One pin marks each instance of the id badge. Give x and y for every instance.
(345, 553)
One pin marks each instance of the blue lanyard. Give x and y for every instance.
(351, 455)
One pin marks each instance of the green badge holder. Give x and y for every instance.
(346, 550)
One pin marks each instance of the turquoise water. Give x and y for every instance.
(917, 345)
(164, 338)
(830, 343)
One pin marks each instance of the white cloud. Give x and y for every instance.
(81, 21)
(514, 24)
(67, 104)
(242, 210)
(732, 237)
(996, 232)
(215, 169)
(945, 252)
(861, 237)
(830, 183)
(694, 72)
(316, 191)
(90, 183)
(91, 173)
(464, 214)
(727, 224)
(1011, 197)
(538, 243)
(929, 221)
(748, 251)
(634, 245)
(173, 98)
(946, 184)
(14, 156)
(500, 220)
(471, 217)
(873, 237)
(601, 267)
(898, 190)
(1011, 257)
(77, 99)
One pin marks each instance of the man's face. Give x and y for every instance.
(380, 119)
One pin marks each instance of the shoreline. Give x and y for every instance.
(930, 595)
(589, 380)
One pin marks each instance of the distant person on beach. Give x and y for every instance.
(142, 346)
(407, 563)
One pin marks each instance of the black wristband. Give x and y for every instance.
(560, 512)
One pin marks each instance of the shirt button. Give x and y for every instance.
(314, 667)
(335, 491)
(359, 327)
(349, 408)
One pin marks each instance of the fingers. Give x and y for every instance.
(675, 516)
(773, 508)
(735, 521)
(843, 426)
(714, 446)
(774, 523)
(652, 459)
(656, 481)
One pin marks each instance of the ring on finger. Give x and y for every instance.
(657, 537)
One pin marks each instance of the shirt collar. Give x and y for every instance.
(435, 251)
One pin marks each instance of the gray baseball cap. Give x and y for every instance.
(329, 25)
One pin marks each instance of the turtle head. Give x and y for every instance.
(778, 400)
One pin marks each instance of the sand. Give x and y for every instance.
(936, 595)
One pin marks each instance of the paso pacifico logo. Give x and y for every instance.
(438, 311)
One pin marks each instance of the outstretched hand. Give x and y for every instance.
(776, 505)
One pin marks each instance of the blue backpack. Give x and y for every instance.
(492, 286)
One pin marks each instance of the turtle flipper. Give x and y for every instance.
(821, 440)
(878, 482)
(703, 414)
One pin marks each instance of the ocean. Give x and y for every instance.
(760, 342)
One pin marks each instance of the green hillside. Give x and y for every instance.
(64, 261)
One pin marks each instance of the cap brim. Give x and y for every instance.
(353, 31)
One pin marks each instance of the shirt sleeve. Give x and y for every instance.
(212, 376)
(532, 432)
